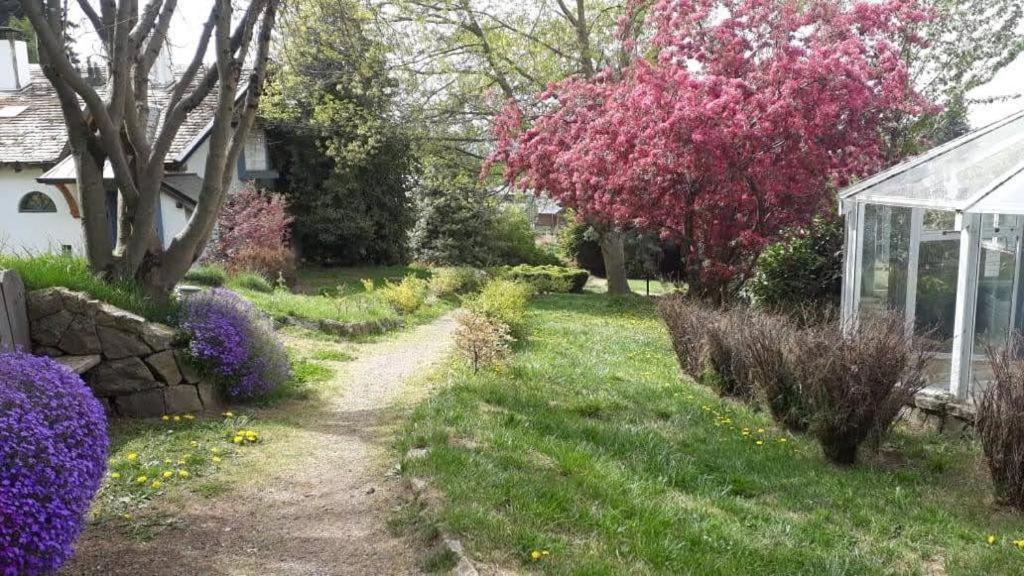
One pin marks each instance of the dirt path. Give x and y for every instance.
(322, 512)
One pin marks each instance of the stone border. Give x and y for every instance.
(943, 412)
(343, 329)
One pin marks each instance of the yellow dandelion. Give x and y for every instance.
(991, 539)
(228, 414)
(133, 456)
(183, 473)
(115, 475)
(126, 516)
(142, 479)
(189, 417)
(168, 473)
(194, 444)
(1019, 544)
(237, 439)
(215, 450)
(165, 417)
(760, 442)
(168, 461)
(182, 462)
(760, 430)
(216, 459)
(746, 432)
(545, 552)
(177, 418)
(783, 440)
(535, 555)
(156, 485)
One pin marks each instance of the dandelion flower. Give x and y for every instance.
(535, 555)
(216, 459)
(156, 484)
(991, 539)
(783, 440)
(168, 473)
(189, 417)
(142, 479)
(183, 473)
(177, 418)
(237, 439)
(760, 430)
(760, 442)
(1019, 544)
(215, 450)
(133, 456)
(194, 444)
(115, 475)
(165, 417)
(228, 414)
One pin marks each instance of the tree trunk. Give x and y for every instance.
(614, 253)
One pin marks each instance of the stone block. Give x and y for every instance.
(80, 337)
(43, 303)
(119, 344)
(187, 367)
(210, 396)
(48, 330)
(79, 303)
(80, 364)
(118, 377)
(165, 367)
(147, 404)
(182, 399)
(47, 351)
(158, 336)
(114, 317)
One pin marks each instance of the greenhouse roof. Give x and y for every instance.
(982, 171)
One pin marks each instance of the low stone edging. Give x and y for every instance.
(135, 367)
(344, 329)
(943, 412)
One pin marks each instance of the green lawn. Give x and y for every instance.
(317, 279)
(590, 445)
(637, 285)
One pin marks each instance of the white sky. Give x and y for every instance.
(190, 15)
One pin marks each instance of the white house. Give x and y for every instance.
(39, 204)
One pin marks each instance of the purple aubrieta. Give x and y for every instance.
(53, 455)
(234, 342)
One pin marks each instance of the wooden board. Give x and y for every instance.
(13, 314)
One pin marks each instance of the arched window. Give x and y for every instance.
(36, 202)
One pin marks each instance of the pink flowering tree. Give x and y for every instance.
(741, 121)
(251, 221)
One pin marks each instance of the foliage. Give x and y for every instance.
(275, 264)
(857, 379)
(484, 341)
(207, 275)
(456, 280)
(251, 281)
(53, 449)
(725, 116)
(775, 355)
(728, 368)
(548, 278)
(48, 270)
(250, 221)
(345, 162)
(503, 301)
(1000, 426)
(460, 225)
(589, 442)
(338, 308)
(407, 296)
(235, 343)
(687, 321)
(804, 269)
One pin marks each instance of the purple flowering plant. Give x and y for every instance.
(53, 454)
(234, 342)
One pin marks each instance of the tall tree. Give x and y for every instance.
(463, 59)
(747, 114)
(345, 159)
(111, 126)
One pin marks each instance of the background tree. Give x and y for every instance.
(461, 60)
(345, 160)
(111, 125)
(731, 133)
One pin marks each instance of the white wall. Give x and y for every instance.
(34, 233)
(174, 218)
(196, 163)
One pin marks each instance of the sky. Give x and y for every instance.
(190, 15)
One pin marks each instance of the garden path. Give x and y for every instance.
(321, 509)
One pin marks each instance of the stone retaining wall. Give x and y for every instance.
(132, 365)
(943, 412)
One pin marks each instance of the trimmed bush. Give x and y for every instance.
(53, 452)
(775, 355)
(687, 322)
(504, 301)
(857, 380)
(276, 264)
(407, 296)
(728, 371)
(1000, 425)
(452, 281)
(251, 281)
(483, 341)
(802, 270)
(551, 279)
(234, 343)
(207, 275)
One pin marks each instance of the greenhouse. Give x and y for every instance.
(938, 238)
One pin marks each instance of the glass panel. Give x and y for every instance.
(997, 286)
(957, 175)
(1006, 199)
(935, 311)
(885, 259)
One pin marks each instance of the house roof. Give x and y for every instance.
(32, 126)
(184, 186)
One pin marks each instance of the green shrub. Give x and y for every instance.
(48, 270)
(207, 275)
(407, 296)
(505, 301)
(553, 279)
(451, 281)
(802, 270)
(251, 281)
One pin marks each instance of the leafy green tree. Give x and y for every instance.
(345, 160)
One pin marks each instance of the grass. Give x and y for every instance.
(637, 285)
(48, 270)
(590, 444)
(352, 308)
(318, 280)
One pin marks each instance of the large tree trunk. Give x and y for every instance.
(613, 251)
